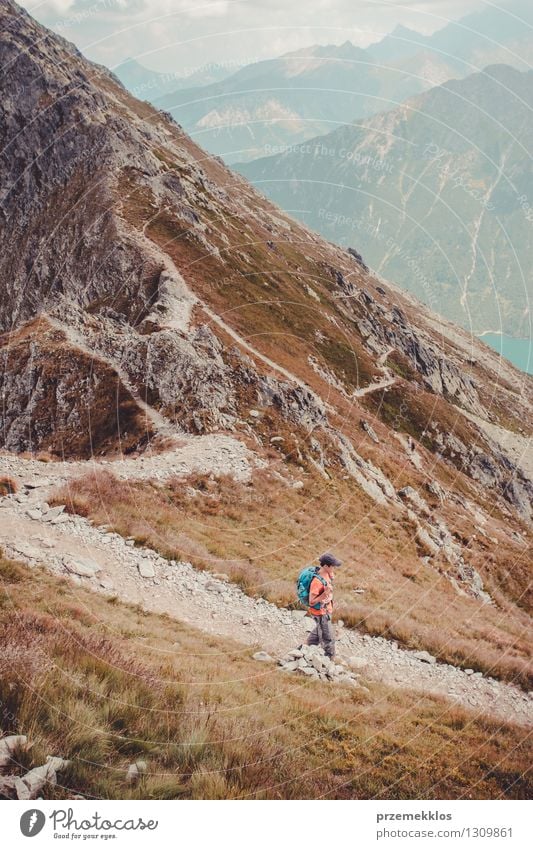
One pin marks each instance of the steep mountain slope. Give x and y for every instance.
(189, 305)
(437, 191)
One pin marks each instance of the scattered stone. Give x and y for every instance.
(424, 656)
(309, 671)
(37, 484)
(63, 517)
(254, 414)
(30, 785)
(427, 543)
(469, 671)
(34, 513)
(435, 489)
(135, 771)
(276, 439)
(146, 570)
(291, 665)
(356, 662)
(8, 745)
(27, 550)
(295, 653)
(262, 656)
(53, 513)
(314, 663)
(369, 430)
(81, 566)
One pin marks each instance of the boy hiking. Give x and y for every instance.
(315, 584)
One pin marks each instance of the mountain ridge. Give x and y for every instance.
(211, 317)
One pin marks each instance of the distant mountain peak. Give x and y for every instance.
(400, 31)
(346, 50)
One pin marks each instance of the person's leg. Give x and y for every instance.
(313, 637)
(328, 636)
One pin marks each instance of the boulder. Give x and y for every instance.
(146, 569)
(53, 513)
(81, 566)
(263, 657)
(31, 785)
(135, 771)
(8, 745)
(291, 665)
(369, 430)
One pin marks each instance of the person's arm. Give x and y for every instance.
(319, 593)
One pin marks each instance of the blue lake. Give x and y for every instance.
(518, 351)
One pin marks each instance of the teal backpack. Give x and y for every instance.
(303, 585)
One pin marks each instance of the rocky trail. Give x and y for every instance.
(105, 562)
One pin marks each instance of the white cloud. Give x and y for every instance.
(171, 34)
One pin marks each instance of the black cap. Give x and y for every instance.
(327, 559)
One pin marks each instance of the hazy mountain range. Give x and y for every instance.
(437, 195)
(151, 85)
(295, 97)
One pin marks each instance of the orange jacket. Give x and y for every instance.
(316, 589)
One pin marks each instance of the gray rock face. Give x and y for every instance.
(384, 330)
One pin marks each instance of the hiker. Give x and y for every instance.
(321, 604)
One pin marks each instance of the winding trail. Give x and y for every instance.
(374, 387)
(107, 563)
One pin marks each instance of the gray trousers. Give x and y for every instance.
(323, 634)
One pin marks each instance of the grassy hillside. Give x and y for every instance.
(259, 533)
(103, 683)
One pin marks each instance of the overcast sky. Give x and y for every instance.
(182, 35)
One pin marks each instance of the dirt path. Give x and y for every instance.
(374, 387)
(109, 564)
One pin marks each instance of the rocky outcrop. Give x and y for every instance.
(383, 329)
(58, 397)
(31, 784)
(312, 662)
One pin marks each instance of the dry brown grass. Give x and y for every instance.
(103, 683)
(260, 533)
(8, 486)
